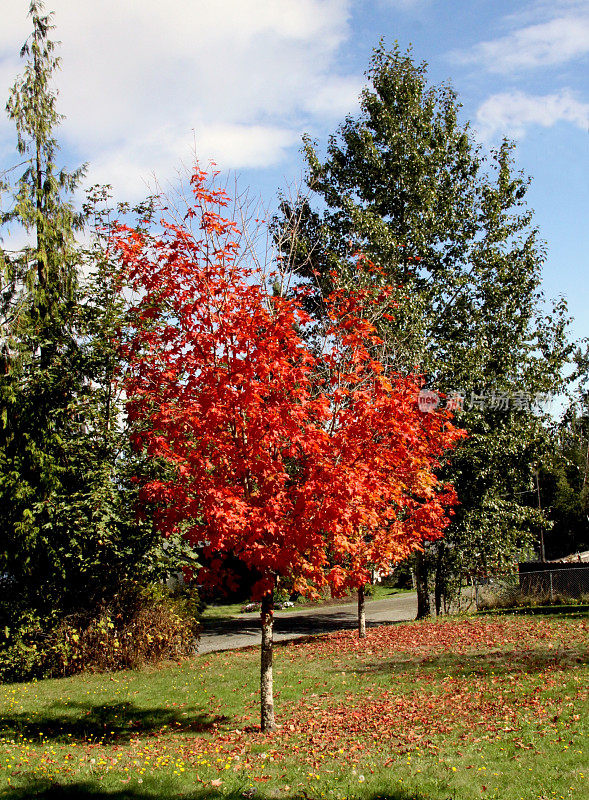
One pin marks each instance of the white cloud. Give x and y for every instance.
(139, 76)
(544, 44)
(336, 98)
(511, 113)
(533, 12)
(135, 166)
(14, 238)
(234, 146)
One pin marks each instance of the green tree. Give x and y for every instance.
(69, 528)
(405, 183)
(563, 480)
(563, 487)
(47, 268)
(41, 372)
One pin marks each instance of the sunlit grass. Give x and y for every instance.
(495, 707)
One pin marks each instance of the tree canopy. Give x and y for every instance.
(405, 182)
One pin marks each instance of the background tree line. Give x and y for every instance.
(406, 183)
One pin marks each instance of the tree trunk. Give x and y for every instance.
(440, 586)
(267, 616)
(423, 606)
(361, 613)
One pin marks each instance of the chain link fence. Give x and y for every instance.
(562, 584)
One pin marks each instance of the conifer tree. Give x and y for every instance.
(68, 530)
(41, 369)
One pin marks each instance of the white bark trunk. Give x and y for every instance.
(361, 613)
(267, 617)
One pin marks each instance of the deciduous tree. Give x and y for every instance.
(405, 182)
(303, 465)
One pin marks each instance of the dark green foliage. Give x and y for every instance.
(41, 461)
(70, 532)
(405, 183)
(564, 486)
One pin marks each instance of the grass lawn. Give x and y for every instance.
(492, 707)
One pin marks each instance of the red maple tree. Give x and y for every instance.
(301, 465)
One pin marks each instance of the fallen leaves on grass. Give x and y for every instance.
(432, 639)
(411, 688)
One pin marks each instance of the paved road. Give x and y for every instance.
(244, 631)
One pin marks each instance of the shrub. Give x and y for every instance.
(139, 625)
(400, 577)
(518, 599)
(21, 648)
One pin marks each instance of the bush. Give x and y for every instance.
(138, 626)
(21, 649)
(518, 599)
(400, 577)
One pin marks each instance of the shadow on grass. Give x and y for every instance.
(113, 723)
(92, 792)
(504, 662)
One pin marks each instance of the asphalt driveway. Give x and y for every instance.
(244, 630)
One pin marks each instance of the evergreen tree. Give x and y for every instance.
(563, 480)
(41, 370)
(69, 530)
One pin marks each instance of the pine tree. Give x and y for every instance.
(40, 349)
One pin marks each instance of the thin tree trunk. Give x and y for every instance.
(361, 613)
(423, 605)
(439, 589)
(542, 551)
(267, 616)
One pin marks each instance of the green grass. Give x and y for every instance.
(216, 610)
(493, 707)
(380, 592)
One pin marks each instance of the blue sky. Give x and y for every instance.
(144, 84)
